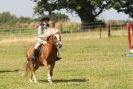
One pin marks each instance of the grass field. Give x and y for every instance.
(87, 63)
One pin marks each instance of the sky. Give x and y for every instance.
(25, 8)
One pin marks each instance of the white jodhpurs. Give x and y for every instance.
(39, 42)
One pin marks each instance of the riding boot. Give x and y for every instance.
(34, 57)
(58, 55)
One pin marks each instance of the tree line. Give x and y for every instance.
(7, 17)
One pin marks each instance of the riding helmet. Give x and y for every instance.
(44, 17)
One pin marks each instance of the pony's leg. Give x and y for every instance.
(31, 69)
(47, 68)
(26, 69)
(50, 72)
(45, 65)
(33, 73)
(32, 77)
(49, 76)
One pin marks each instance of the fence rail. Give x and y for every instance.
(99, 30)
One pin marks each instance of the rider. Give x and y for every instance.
(44, 24)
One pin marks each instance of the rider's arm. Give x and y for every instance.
(40, 32)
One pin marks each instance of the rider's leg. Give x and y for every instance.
(36, 47)
(58, 55)
(35, 51)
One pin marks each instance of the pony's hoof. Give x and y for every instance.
(50, 81)
(35, 81)
(23, 74)
(30, 80)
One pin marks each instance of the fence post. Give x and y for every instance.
(20, 31)
(129, 35)
(100, 31)
(53, 24)
(61, 28)
(109, 29)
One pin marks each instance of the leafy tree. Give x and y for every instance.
(58, 17)
(125, 6)
(7, 17)
(25, 19)
(87, 10)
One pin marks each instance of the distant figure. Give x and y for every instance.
(43, 32)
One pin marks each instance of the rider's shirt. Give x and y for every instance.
(41, 30)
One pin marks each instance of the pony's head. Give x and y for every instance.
(55, 39)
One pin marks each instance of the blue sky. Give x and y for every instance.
(25, 8)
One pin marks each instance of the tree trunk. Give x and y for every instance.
(87, 17)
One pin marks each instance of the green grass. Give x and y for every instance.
(17, 32)
(90, 63)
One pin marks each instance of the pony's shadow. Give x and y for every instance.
(5, 71)
(65, 81)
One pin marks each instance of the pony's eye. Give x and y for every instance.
(55, 38)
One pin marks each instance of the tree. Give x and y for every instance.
(87, 10)
(58, 17)
(7, 17)
(125, 6)
(25, 19)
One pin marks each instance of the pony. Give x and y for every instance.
(47, 57)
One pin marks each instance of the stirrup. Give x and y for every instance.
(58, 58)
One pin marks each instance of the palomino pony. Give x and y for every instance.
(47, 57)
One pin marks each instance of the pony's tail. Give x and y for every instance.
(25, 69)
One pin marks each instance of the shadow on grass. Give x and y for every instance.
(5, 71)
(65, 81)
